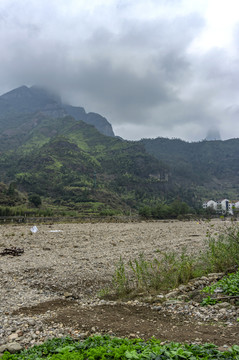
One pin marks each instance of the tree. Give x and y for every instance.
(35, 200)
(11, 189)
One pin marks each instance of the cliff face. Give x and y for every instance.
(98, 121)
(24, 100)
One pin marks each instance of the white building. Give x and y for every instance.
(210, 204)
(224, 206)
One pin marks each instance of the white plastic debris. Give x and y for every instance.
(34, 229)
(55, 231)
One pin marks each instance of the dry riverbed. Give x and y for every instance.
(51, 289)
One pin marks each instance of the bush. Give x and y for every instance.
(35, 200)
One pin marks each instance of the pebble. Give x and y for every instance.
(27, 331)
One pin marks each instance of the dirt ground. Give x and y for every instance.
(80, 259)
(125, 320)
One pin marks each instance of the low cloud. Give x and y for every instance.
(138, 71)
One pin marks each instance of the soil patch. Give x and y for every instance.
(125, 320)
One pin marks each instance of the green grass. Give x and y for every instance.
(159, 274)
(169, 270)
(105, 347)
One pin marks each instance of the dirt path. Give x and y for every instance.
(134, 321)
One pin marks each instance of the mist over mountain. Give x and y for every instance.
(72, 159)
(29, 100)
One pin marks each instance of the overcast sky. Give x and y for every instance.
(152, 67)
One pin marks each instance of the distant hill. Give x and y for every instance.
(202, 170)
(25, 100)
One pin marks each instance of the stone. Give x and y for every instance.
(3, 348)
(215, 275)
(172, 302)
(31, 322)
(160, 297)
(67, 295)
(14, 347)
(13, 336)
(171, 295)
(182, 288)
(183, 297)
(223, 305)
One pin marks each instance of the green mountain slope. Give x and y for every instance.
(206, 169)
(69, 163)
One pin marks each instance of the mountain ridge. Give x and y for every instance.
(29, 100)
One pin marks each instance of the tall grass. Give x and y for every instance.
(169, 270)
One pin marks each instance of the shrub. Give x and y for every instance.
(35, 200)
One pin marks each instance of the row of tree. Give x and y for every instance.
(165, 211)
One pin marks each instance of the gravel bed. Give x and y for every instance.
(76, 260)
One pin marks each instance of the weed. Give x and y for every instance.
(120, 280)
(169, 270)
(208, 301)
(229, 285)
(141, 270)
(103, 292)
(223, 250)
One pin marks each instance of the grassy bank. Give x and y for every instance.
(169, 270)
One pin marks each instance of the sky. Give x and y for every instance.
(153, 68)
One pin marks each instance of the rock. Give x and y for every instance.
(223, 305)
(13, 336)
(182, 288)
(3, 348)
(84, 335)
(215, 276)
(31, 322)
(160, 297)
(183, 297)
(68, 295)
(14, 347)
(171, 295)
(172, 302)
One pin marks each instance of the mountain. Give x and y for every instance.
(70, 164)
(72, 159)
(202, 170)
(25, 100)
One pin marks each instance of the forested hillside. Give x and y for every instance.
(206, 169)
(69, 163)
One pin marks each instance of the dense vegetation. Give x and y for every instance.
(105, 347)
(202, 170)
(70, 164)
(175, 210)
